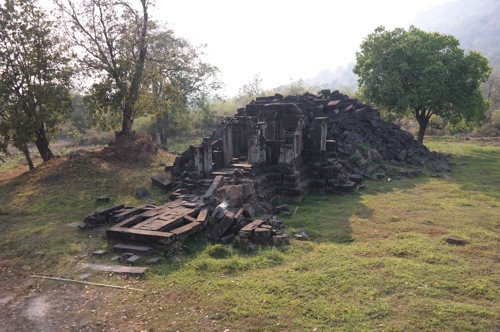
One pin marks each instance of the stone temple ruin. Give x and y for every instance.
(287, 146)
(276, 148)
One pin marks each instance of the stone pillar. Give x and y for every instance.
(261, 127)
(256, 143)
(320, 133)
(227, 142)
(207, 156)
(253, 149)
(198, 159)
(286, 161)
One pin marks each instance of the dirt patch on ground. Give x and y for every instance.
(29, 304)
(130, 148)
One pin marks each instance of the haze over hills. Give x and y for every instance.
(476, 24)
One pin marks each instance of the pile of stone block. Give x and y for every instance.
(233, 207)
(241, 226)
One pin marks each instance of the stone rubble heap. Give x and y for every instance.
(276, 147)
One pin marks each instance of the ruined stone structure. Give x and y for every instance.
(276, 147)
(289, 145)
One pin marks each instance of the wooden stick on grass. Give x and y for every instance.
(86, 282)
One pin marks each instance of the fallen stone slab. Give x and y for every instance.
(262, 232)
(137, 270)
(202, 217)
(227, 239)
(186, 230)
(134, 248)
(128, 213)
(283, 208)
(281, 239)
(99, 252)
(222, 226)
(456, 240)
(102, 199)
(126, 255)
(248, 230)
(144, 193)
(133, 259)
(219, 212)
(154, 261)
(95, 220)
(162, 183)
(110, 209)
(216, 183)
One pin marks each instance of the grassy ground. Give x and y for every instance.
(377, 260)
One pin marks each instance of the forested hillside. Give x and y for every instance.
(475, 23)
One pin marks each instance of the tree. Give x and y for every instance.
(250, 90)
(35, 78)
(491, 90)
(422, 74)
(176, 79)
(111, 39)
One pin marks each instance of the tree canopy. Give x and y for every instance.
(422, 74)
(35, 76)
(111, 41)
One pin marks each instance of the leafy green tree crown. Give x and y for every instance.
(422, 74)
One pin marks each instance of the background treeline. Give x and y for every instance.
(171, 91)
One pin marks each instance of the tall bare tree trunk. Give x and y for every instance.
(42, 144)
(162, 122)
(133, 93)
(28, 157)
(421, 132)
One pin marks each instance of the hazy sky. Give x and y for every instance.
(282, 39)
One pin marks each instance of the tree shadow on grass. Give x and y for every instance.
(326, 218)
(477, 171)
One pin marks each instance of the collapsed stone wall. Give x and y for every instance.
(359, 133)
(287, 146)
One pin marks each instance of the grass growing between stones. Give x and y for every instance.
(376, 260)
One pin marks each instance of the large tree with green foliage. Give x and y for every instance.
(110, 37)
(34, 78)
(422, 74)
(176, 79)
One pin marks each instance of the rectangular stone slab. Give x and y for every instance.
(186, 230)
(222, 227)
(202, 217)
(163, 224)
(110, 209)
(133, 259)
(216, 183)
(162, 183)
(116, 268)
(129, 213)
(248, 230)
(129, 247)
(140, 235)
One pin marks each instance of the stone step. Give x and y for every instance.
(133, 248)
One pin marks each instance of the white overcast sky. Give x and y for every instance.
(282, 39)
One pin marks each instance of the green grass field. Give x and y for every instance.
(377, 260)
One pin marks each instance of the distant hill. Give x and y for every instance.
(341, 78)
(476, 24)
